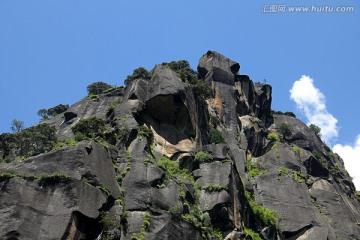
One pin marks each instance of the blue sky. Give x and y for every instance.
(51, 50)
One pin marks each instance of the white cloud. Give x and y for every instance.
(351, 155)
(311, 101)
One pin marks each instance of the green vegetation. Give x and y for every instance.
(275, 146)
(134, 237)
(120, 175)
(334, 169)
(103, 189)
(112, 89)
(214, 188)
(327, 148)
(297, 150)
(26, 176)
(144, 228)
(93, 97)
(90, 128)
(290, 114)
(315, 129)
(139, 73)
(146, 225)
(285, 131)
(297, 176)
(202, 157)
(201, 221)
(97, 88)
(253, 170)
(266, 215)
(53, 179)
(284, 170)
(357, 194)
(67, 142)
(111, 108)
(214, 121)
(183, 68)
(215, 136)
(202, 90)
(6, 176)
(123, 133)
(251, 234)
(172, 169)
(313, 197)
(58, 109)
(317, 154)
(272, 137)
(146, 132)
(52, 112)
(176, 210)
(17, 126)
(28, 142)
(108, 221)
(193, 213)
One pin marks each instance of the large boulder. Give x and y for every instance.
(214, 66)
(301, 135)
(252, 99)
(282, 187)
(213, 174)
(337, 208)
(34, 209)
(88, 161)
(138, 183)
(85, 108)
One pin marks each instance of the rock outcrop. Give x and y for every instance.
(170, 165)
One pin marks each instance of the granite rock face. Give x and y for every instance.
(171, 165)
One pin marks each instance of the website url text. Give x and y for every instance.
(279, 8)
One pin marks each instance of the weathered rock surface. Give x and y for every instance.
(281, 189)
(66, 210)
(86, 108)
(137, 184)
(213, 174)
(88, 161)
(144, 182)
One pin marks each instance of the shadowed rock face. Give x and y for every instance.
(162, 178)
(171, 120)
(33, 211)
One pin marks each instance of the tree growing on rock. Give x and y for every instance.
(315, 129)
(52, 112)
(201, 90)
(139, 73)
(90, 128)
(285, 131)
(17, 126)
(28, 142)
(97, 88)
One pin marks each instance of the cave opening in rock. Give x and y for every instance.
(169, 117)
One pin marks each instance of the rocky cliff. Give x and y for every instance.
(173, 163)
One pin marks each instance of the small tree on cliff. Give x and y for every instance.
(52, 112)
(201, 90)
(97, 88)
(17, 125)
(285, 131)
(139, 73)
(315, 129)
